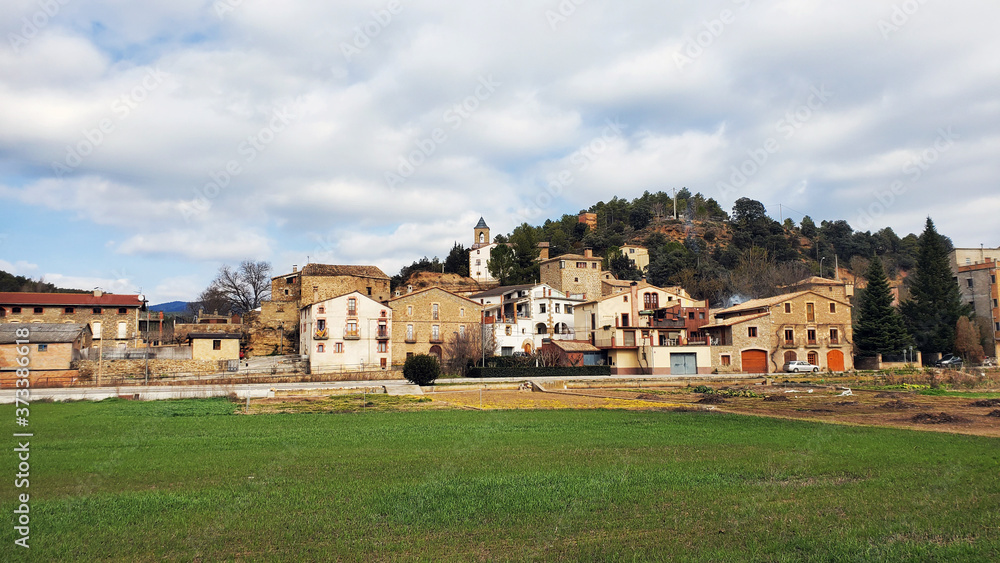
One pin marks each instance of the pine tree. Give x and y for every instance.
(935, 304)
(880, 328)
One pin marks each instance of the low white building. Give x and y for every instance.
(347, 333)
(525, 315)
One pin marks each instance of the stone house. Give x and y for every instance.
(574, 275)
(976, 271)
(275, 325)
(113, 319)
(648, 330)
(760, 335)
(524, 316)
(214, 345)
(427, 320)
(50, 346)
(352, 332)
(639, 255)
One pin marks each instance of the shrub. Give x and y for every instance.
(703, 389)
(421, 369)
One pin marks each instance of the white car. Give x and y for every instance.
(797, 366)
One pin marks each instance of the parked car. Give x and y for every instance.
(797, 366)
(989, 362)
(950, 361)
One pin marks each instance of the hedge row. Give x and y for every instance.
(530, 371)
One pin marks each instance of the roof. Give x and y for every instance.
(481, 224)
(502, 289)
(760, 303)
(69, 299)
(771, 301)
(575, 346)
(343, 270)
(734, 320)
(640, 285)
(574, 257)
(816, 280)
(213, 335)
(426, 289)
(42, 333)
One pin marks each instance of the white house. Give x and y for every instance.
(350, 333)
(479, 253)
(524, 315)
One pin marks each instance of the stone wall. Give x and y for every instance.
(108, 317)
(137, 368)
(321, 288)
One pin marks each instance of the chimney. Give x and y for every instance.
(588, 252)
(295, 268)
(543, 251)
(98, 293)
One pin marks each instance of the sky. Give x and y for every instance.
(144, 144)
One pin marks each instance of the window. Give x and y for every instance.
(562, 264)
(508, 330)
(38, 310)
(788, 307)
(834, 336)
(993, 278)
(541, 307)
(557, 307)
(478, 262)
(352, 306)
(122, 330)
(810, 312)
(461, 330)
(409, 310)
(290, 280)
(968, 261)
(15, 310)
(216, 345)
(286, 292)
(43, 347)
(568, 309)
(122, 310)
(650, 301)
(369, 290)
(321, 310)
(435, 311)
(725, 359)
(968, 282)
(691, 315)
(997, 327)
(789, 336)
(625, 298)
(752, 331)
(581, 265)
(352, 328)
(320, 348)
(811, 335)
(994, 303)
(338, 348)
(576, 280)
(321, 324)
(701, 315)
(96, 329)
(69, 310)
(833, 307)
(409, 332)
(593, 265)
(435, 332)
(383, 347)
(461, 312)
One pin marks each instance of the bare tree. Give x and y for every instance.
(547, 357)
(244, 287)
(463, 351)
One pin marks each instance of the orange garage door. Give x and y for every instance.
(835, 360)
(754, 361)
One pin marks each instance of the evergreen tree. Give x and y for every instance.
(502, 264)
(935, 304)
(879, 328)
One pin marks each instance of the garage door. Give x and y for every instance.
(683, 364)
(754, 361)
(835, 360)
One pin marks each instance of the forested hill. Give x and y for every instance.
(10, 282)
(711, 252)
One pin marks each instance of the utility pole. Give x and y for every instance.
(675, 204)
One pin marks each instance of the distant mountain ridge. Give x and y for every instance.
(171, 307)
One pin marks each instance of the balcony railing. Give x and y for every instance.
(436, 340)
(410, 339)
(352, 312)
(351, 335)
(323, 334)
(382, 335)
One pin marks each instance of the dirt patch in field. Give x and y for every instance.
(711, 400)
(986, 403)
(776, 399)
(995, 413)
(887, 395)
(897, 405)
(936, 418)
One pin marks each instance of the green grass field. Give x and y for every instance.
(189, 480)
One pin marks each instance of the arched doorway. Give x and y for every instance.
(436, 352)
(754, 361)
(540, 328)
(527, 347)
(814, 358)
(835, 360)
(790, 356)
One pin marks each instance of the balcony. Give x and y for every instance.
(436, 340)
(382, 335)
(352, 312)
(410, 339)
(668, 323)
(322, 334)
(788, 344)
(352, 335)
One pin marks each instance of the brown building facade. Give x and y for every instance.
(426, 321)
(113, 319)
